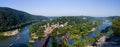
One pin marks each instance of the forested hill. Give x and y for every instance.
(116, 25)
(112, 17)
(74, 19)
(11, 18)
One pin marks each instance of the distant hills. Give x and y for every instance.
(73, 19)
(12, 18)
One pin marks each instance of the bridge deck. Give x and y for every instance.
(64, 39)
(44, 41)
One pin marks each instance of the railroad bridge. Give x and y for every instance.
(65, 37)
(44, 41)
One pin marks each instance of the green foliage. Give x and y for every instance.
(11, 18)
(116, 26)
(37, 29)
(40, 33)
(64, 45)
(77, 27)
(73, 19)
(54, 42)
(29, 45)
(76, 31)
(54, 32)
(78, 44)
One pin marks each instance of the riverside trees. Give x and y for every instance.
(77, 27)
(116, 26)
(12, 19)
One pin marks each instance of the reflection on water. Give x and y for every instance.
(91, 35)
(20, 39)
(100, 28)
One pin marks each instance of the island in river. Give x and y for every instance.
(65, 31)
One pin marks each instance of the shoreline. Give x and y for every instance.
(10, 33)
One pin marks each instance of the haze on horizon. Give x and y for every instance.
(95, 8)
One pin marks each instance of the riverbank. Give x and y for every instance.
(7, 34)
(10, 33)
(22, 38)
(3, 37)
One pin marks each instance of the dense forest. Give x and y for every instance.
(11, 18)
(72, 20)
(59, 23)
(116, 26)
(77, 27)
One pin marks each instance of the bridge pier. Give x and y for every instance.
(44, 41)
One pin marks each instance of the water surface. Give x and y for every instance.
(19, 39)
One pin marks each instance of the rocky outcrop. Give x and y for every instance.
(108, 42)
(112, 42)
(101, 41)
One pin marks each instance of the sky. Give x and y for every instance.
(96, 8)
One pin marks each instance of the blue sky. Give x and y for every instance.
(65, 7)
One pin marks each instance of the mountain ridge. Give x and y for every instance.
(11, 18)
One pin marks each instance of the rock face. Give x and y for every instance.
(110, 42)
(101, 41)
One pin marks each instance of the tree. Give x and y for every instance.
(116, 26)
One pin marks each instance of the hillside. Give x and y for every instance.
(73, 19)
(76, 27)
(11, 18)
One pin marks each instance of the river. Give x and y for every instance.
(100, 28)
(91, 35)
(21, 39)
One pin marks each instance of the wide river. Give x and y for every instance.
(19, 39)
(101, 27)
(23, 37)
